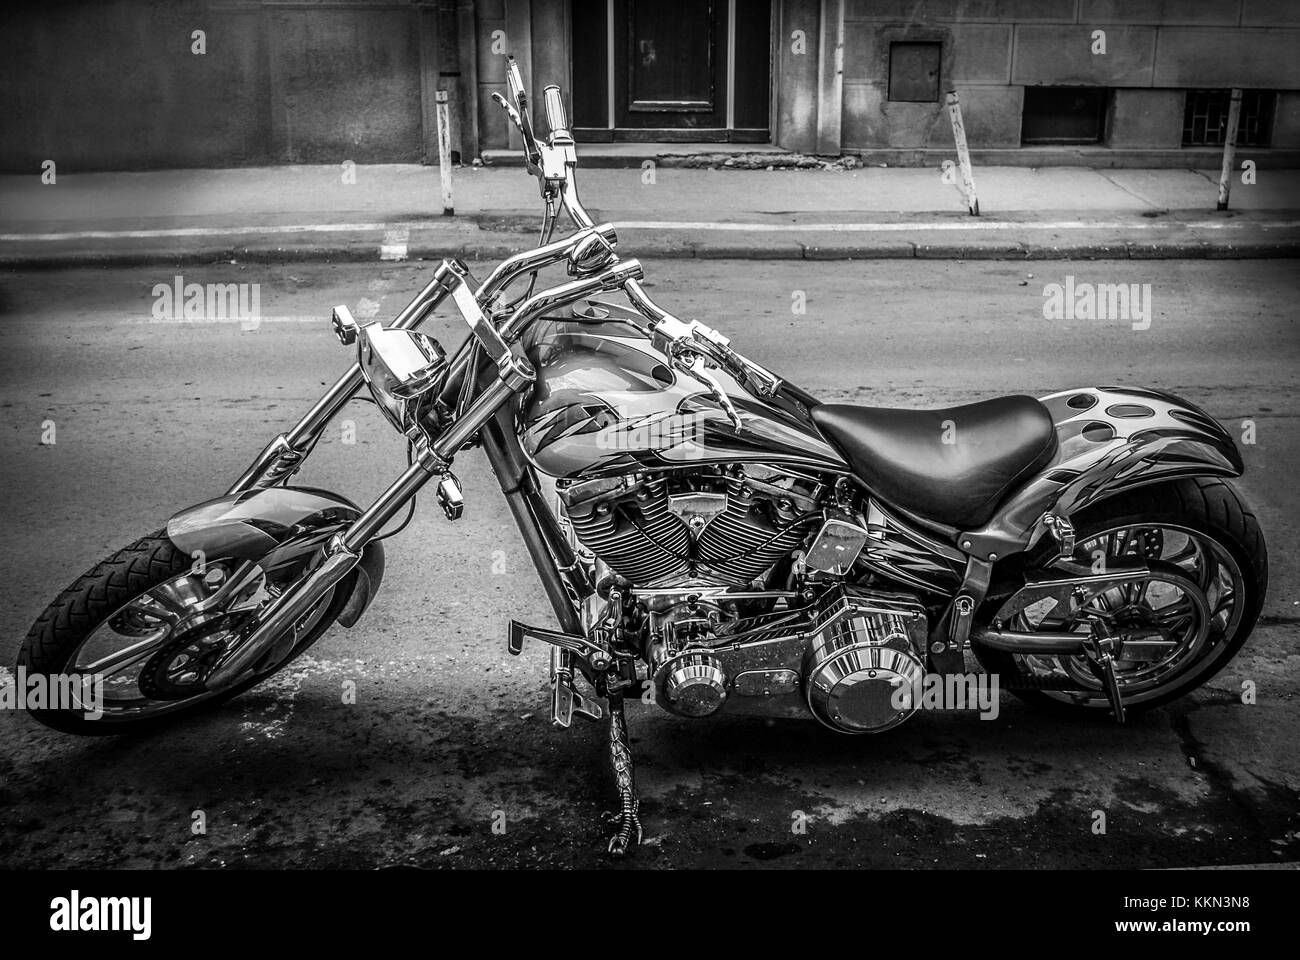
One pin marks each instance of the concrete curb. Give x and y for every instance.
(673, 245)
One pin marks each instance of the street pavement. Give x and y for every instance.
(365, 213)
(448, 736)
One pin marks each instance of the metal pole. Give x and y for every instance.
(444, 151)
(963, 153)
(1229, 147)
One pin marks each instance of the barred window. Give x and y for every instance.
(1205, 118)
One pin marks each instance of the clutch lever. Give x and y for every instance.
(531, 155)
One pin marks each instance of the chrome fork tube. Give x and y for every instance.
(344, 550)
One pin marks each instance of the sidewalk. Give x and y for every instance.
(394, 212)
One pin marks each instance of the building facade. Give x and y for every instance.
(128, 84)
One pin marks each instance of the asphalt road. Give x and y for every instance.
(448, 735)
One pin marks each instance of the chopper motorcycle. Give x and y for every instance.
(717, 541)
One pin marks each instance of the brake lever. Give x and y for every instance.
(697, 369)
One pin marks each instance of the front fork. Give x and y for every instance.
(563, 577)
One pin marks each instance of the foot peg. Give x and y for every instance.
(566, 702)
(1102, 646)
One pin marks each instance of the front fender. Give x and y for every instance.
(279, 526)
(1110, 439)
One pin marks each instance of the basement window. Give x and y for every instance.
(1064, 115)
(1205, 118)
(914, 71)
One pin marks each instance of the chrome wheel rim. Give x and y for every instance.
(120, 646)
(1194, 596)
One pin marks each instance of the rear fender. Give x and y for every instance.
(284, 529)
(1110, 439)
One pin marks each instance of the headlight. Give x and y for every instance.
(400, 366)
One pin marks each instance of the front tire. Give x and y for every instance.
(1202, 525)
(109, 593)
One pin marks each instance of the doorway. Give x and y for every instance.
(672, 70)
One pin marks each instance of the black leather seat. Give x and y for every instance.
(993, 447)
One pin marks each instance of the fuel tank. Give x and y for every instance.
(607, 402)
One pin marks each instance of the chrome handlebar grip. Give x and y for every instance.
(556, 118)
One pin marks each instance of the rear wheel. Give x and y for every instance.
(136, 622)
(1209, 573)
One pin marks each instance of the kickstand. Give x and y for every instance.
(625, 819)
(1101, 644)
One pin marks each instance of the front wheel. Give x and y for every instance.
(132, 624)
(1209, 572)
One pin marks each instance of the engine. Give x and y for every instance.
(842, 659)
(733, 593)
(723, 528)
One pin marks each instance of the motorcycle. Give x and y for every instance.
(712, 538)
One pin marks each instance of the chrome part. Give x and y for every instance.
(837, 545)
(370, 575)
(147, 637)
(725, 531)
(592, 652)
(281, 618)
(589, 255)
(863, 649)
(512, 366)
(697, 509)
(527, 261)
(1057, 589)
(974, 587)
(404, 364)
(694, 684)
(278, 461)
(766, 683)
(567, 702)
(1101, 647)
(1062, 530)
(612, 278)
(450, 497)
(344, 325)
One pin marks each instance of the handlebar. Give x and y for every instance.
(553, 164)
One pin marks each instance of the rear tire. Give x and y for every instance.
(1207, 506)
(58, 634)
